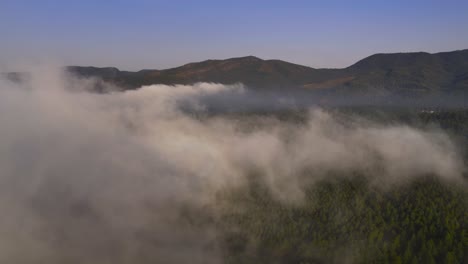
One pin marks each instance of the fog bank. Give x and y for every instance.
(103, 178)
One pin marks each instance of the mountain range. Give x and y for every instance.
(409, 75)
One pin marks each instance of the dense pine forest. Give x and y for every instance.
(348, 218)
(348, 221)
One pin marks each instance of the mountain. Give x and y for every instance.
(409, 75)
(412, 73)
(252, 71)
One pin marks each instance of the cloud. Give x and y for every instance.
(103, 178)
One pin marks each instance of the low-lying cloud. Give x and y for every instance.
(102, 178)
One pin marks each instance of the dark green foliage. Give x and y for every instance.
(347, 220)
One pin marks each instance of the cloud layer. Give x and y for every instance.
(103, 178)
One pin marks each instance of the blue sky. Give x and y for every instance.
(136, 34)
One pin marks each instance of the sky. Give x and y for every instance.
(140, 34)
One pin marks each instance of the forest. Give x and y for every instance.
(348, 221)
(348, 218)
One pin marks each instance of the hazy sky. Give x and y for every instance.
(160, 34)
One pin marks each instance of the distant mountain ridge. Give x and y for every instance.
(415, 73)
(252, 71)
(411, 75)
(407, 74)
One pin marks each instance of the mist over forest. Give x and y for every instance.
(233, 132)
(216, 173)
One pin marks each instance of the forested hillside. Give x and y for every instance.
(352, 217)
(349, 221)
